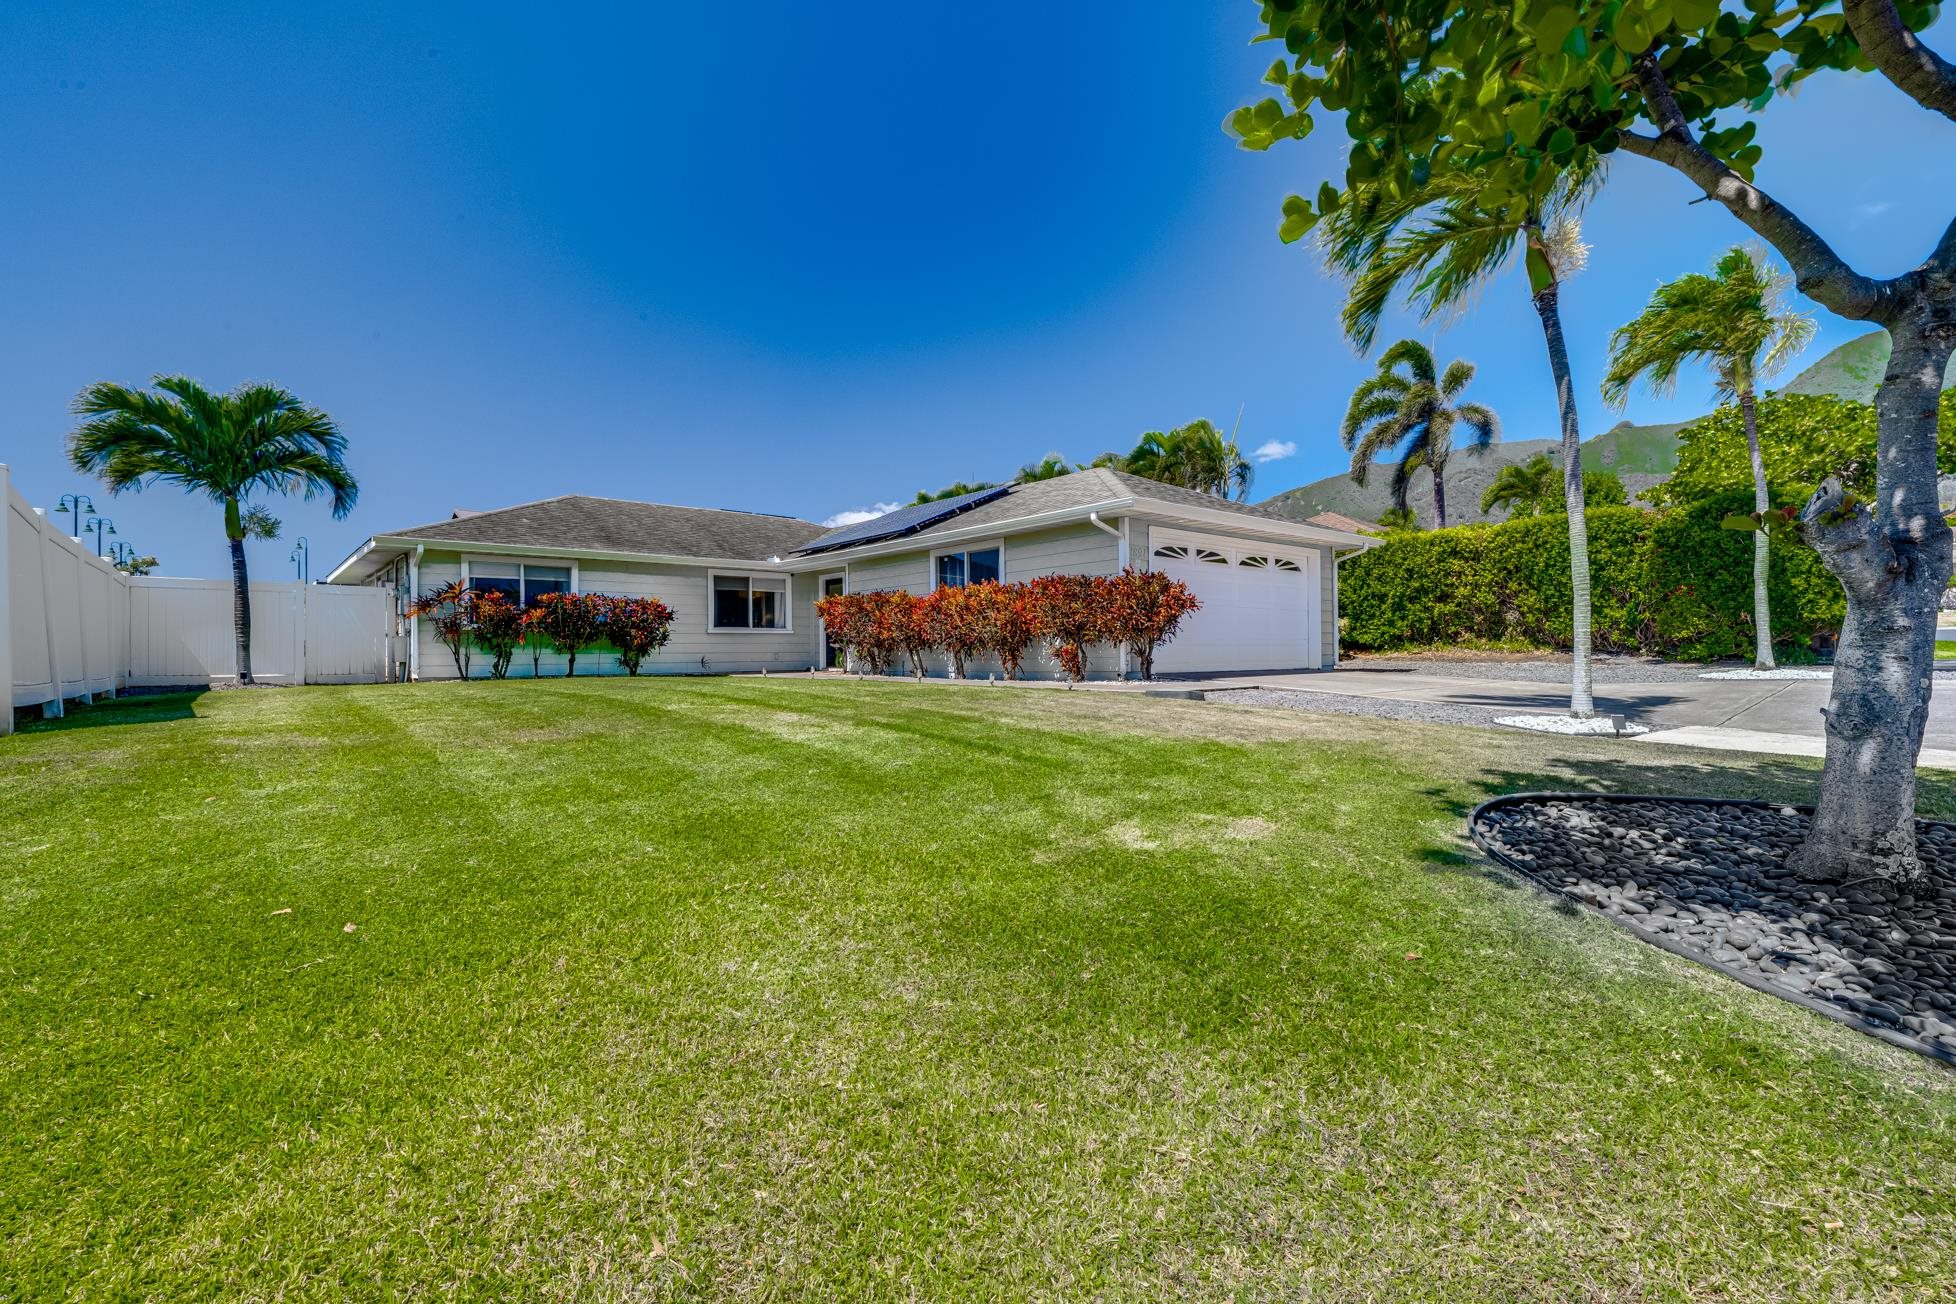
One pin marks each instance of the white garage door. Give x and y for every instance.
(1260, 605)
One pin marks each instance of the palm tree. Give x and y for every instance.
(1737, 321)
(225, 446)
(1435, 247)
(1419, 410)
(954, 490)
(1195, 456)
(1051, 467)
(1522, 488)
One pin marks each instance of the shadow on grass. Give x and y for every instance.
(150, 708)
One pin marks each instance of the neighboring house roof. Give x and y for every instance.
(1077, 494)
(583, 524)
(1340, 521)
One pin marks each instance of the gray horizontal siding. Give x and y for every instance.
(684, 589)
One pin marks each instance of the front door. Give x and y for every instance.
(832, 656)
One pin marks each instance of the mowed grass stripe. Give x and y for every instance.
(721, 986)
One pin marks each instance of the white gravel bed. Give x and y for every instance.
(1569, 724)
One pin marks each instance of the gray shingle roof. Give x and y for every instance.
(582, 524)
(1082, 489)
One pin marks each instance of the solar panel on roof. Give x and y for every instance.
(905, 520)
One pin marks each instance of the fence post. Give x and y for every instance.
(6, 605)
(52, 709)
(300, 601)
(81, 620)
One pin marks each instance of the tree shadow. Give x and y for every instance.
(149, 708)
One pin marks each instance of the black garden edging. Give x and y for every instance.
(1894, 1036)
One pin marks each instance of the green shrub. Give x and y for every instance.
(1700, 583)
(1671, 583)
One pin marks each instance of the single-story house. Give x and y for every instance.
(742, 586)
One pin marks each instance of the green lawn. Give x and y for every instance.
(850, 990)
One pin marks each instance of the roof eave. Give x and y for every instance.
(981, 530)
(408, 542)
(1269, 525)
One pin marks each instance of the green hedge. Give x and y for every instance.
(1670, 583)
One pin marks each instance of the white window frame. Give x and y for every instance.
(974, 545)
(787, 601)
(555, 563)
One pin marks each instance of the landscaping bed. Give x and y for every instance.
(1707, 879)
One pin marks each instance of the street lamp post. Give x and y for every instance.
(301, 560)
(103, 527)
(75, 505)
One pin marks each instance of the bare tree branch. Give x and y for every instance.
(1922, 74)
(1821, 273)
(1944, 258)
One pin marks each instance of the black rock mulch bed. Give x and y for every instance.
(1706, 879)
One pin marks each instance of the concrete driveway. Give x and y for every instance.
(1766, 715)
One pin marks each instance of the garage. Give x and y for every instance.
(1260, 604)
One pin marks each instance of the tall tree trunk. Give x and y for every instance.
(1439, 499)
(1582, 700)
(1894, 565)
(1762, 612)
(240, 588)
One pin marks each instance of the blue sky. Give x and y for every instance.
(764, 258)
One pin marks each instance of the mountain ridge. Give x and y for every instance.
(1641, 455)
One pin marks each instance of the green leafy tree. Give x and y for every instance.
(1601, 489)
(1803, 439)
(1433, 242)
(1195, 456)
(255, 439)
(1523, 97)
(1411, 407)
(1523, 488)
(1736, 321)
(135, 565)
(1399, 520)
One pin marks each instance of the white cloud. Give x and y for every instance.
(1868, 212)
(857, 515)
(1274, 450)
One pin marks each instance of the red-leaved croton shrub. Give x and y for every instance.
(1071, 613)
(571, 621)
(900, 615)
(1144, 610)
(637, 627)
(845, 616)
(495, 626)
(1007, 623)
(951, 623)
(876, 627)
(446, 609)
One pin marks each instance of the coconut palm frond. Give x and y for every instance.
(1482, 426)
(1459, 374)
(1415, 357)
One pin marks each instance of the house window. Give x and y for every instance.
(1177, 552)
(973, 566)
(750, 602)
(521, 584)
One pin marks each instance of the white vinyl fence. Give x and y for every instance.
(75, 626)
